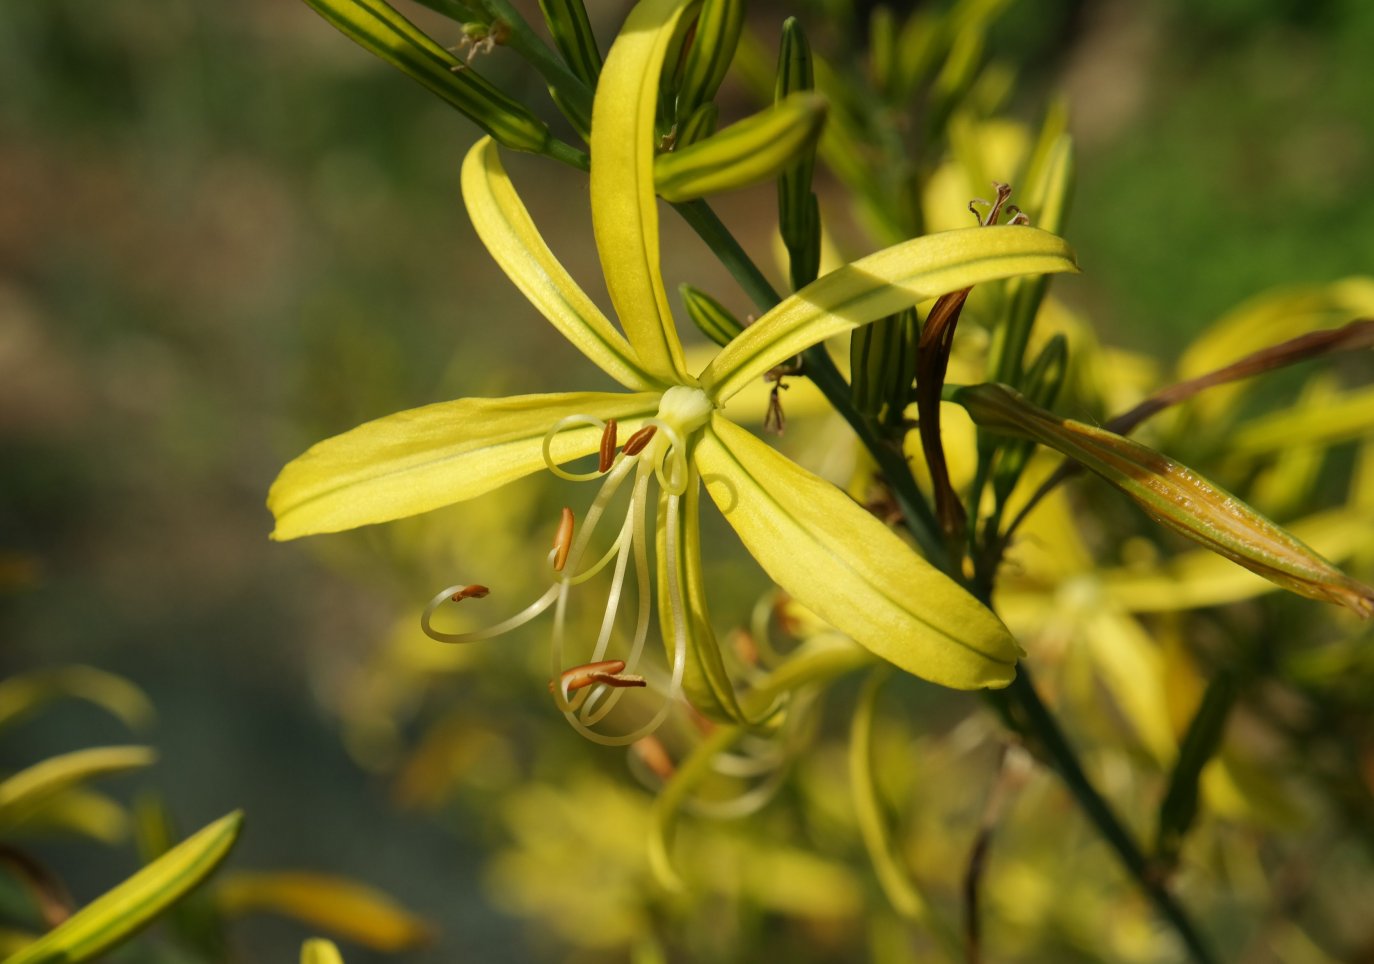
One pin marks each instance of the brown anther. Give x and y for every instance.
(654, 755)
(636, 442)
(607, 458)
(586, 674)
(562, 541)
(469, 592)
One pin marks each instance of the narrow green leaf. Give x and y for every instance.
(851, 570)
(336, 905)
(25, 792)
(881, 284)
(1179, 806)
(123, 911)
(380, 29)
(572, 35)
(747, 152)
(1174, 495)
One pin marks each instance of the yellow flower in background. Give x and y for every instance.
(812, 540)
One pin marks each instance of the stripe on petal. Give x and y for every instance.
(429, 457)
(505, 227)
(849, 568)
(879, 285)
(624, 207)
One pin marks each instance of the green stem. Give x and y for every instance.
(1022, 696)
(524, 41)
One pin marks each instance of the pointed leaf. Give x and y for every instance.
(333, 904)
(878, 285)
(1174, 495)
(23, 793)
(624, 206)
(849, 568)
(123, 911)
(429, 457)
(1179, 806)
(380, 29)
(747, 152)
(511, 238)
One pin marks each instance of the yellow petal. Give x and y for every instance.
(24, 793)
(333, 904)
(424, 458)
(120, 913)
(705, 681)
(506, 229)
(317, 950)
(849, 568)
(624, 208)
(879, 285)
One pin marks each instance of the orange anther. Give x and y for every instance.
(586, 674)
(655, 756)
(562, 541)
(636, 442)
(607, 458)
(469, 592)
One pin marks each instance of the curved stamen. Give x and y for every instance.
(558, 426)
(676, 484)
(592, 713)
(675, 607)
(505, 626)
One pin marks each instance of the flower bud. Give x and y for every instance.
(572, 35)
(712, 48)
(799, 219)
(709, 315)
(1174, 495)
(746, 152)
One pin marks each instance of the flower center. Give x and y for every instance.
(658, 450)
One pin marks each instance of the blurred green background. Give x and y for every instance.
(226, 232)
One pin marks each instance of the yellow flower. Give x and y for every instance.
(812, 540)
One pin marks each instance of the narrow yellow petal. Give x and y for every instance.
(336, 905)
(624, 207)
(705, 681)
(317, 950)
(879, 285)
(118, 914)
(506, 229)
(22, 794)
(424, 458)
(849, 568)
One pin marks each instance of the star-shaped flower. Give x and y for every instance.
(813, 541)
